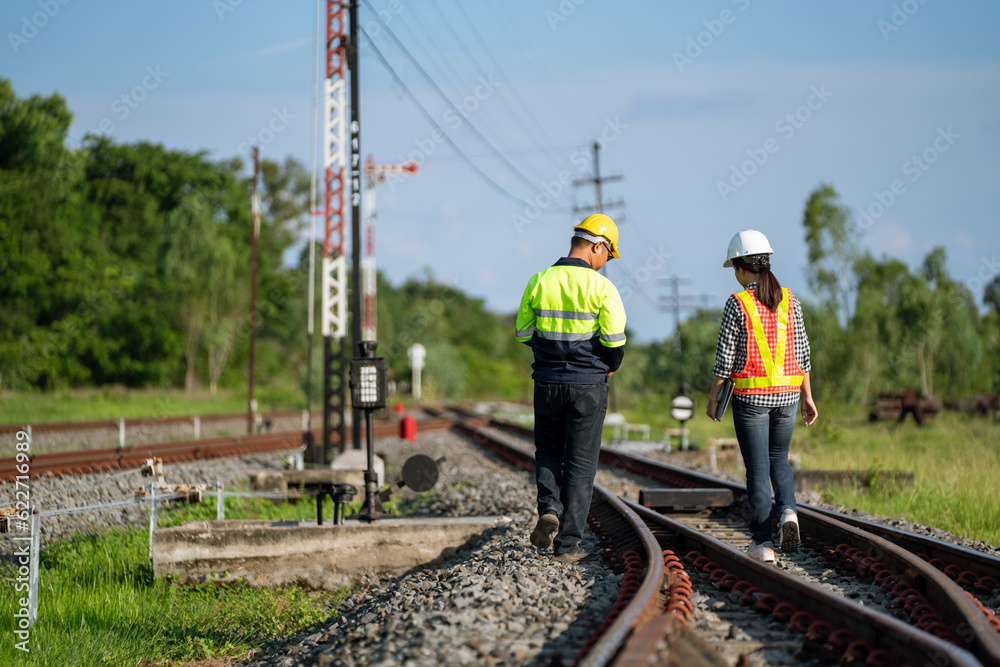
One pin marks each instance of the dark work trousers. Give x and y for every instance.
(568, 423)
(764, 435)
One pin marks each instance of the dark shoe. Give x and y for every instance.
(788, 532)
(545, 530)
(574, 555)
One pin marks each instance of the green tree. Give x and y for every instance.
(911, 326)
(51, 270)
(831, 250)
(991, 294)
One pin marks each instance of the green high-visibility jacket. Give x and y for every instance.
(574, 320)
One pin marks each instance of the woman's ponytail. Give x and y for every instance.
(768, 288)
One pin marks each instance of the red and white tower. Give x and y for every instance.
(375, 173)
(335, 311)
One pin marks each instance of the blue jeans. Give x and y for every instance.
(764, 435)
(568, 423)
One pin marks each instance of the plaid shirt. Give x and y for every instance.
(731, 351)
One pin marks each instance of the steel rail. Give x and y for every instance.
(645, 604)
(133, 456)
(881, 631)
(926, 548)
(956, 607)
(922, 545)
(50, 427)
(960, 614)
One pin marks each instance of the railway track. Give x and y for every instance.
(108, 424)
(675, 563)
(58, 464)
(934, 592)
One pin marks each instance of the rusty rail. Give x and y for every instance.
(133, 456)
(52, 427)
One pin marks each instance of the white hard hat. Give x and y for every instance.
(745, 243)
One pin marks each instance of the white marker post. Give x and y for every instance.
(417, 354)
(681, 409)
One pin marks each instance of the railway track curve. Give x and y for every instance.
(945, 622)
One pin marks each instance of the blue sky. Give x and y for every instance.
(719, 115)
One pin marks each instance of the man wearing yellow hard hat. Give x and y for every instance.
(574, 320)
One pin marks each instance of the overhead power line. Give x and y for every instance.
(430, 119)
(523, 109)
(443, 96)
(570, 110)
(455, 78)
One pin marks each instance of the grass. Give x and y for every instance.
(955, 459)
(116, 402)
(100, 605)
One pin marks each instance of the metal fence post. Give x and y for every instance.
(121, 432)
(220, 502)
(33, 562)
(152, 517)
(197, 427)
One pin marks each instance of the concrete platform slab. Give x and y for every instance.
(352, 460)
(268, 553)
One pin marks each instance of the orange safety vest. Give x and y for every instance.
(771, 364)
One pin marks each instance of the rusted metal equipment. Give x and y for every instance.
(895, 407)
(983, 405)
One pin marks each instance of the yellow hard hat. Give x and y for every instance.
(600, 225)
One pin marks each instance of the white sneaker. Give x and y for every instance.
(762, 552)
(788, 532)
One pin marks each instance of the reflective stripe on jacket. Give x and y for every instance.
(573, 318)
(771, 365)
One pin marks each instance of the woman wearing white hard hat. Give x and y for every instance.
(764, 350)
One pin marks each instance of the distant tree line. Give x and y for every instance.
(875, 325)
(129, 264)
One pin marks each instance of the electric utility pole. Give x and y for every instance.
(255, 232)
(676, 302)
(599, 203)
